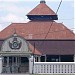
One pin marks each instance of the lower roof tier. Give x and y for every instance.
(50, 47)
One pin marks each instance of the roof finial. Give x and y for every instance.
(15, 34)
(42, 1)
(14, 31)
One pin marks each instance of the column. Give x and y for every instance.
(7, 61)
(45, 58)
(16, 61)
(12, 60)
(31, 65)
(0, 64)
(74, 58)
(3, 60)
(16, 68)
(59, 58)
(19, 60)
(13, 69)
(38, 58)
(8, 67)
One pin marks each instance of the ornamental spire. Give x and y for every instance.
(42, 1)
(15, 34)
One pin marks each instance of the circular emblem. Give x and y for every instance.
(15, 44)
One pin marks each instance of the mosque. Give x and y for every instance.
(42, 37)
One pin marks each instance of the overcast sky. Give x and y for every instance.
(12, 11)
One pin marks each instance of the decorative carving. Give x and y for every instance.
(15, 44)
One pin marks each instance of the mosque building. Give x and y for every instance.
(42, 37)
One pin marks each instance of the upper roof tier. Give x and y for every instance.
(42, 12)
(38, 30)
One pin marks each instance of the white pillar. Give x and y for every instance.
(8, 67)
(45, 58)
(7, 61)
(74, 58)
(38, 58)
(0, 64)
(31, 64)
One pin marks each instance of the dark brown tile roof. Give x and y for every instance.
(41, 9)
(34, 50)
(38, 30)
(55, 47)
(51, 47)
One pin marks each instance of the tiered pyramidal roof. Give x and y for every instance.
(42, 12)
(41, 19)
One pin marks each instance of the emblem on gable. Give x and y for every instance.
(15, 44)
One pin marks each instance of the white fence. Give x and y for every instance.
(54, 67)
